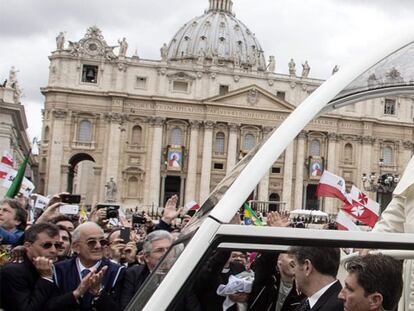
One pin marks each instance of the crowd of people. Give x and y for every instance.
(61, 262)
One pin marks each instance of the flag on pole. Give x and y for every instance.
(14, 188)
(250, 217)
(4, 170)
(331, 185)
(362, 208)
(192, 206)
(7, 159)
(344, 222)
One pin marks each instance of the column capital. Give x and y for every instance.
(407, 144)
(115, 117)
(209, 125)
(367, 139)
(60, 114)
(303, 135)
(157, 121)
(333, 137)
(233, 126)
(195, 124)
(267, 129)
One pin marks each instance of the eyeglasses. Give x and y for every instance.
(48, 245)
(93, 243)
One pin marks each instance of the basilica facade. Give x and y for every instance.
(180, 123)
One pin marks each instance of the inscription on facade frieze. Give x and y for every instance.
(179, 108)
(245, 114)
(323, 122)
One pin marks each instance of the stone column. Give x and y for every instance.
(287, 177)
(232, 147)
(263, 194)
(155, 172)
(112, 165)
(206, 162)
(162, 194)
(97, 172)
(300, 158)
(190, 189)
(407, 153)
(366, 158)
(56, 144)
(331, 165)
(182, 189)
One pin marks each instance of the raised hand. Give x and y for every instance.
(170, 210)
(274, 219)
(96, 281)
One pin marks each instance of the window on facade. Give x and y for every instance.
(136, 135)
(218, 166)
(176, 136)
(85, 131)
(180, 86)
(90, 74)
(43, 166)
(389, 106)
(248, 142)
(219, 143)
(133, 187)
(348, 153)
(281, 95)
(315, 148)
(387, 155)
(224, 89)
(141, 83)
(275, 170)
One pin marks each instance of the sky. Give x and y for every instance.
(323, 32)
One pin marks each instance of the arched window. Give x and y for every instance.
(348, 153)
(249, 142)
(176, 136)
(85, 131)
(219, 143)
(136, 136)
(46, 134)
(133, 187)
(387, 155)
(315, 148)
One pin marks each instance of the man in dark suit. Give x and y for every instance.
(28, 285)
(315, 274)
(87, 281)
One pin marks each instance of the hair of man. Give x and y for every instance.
(21, 214)
(76, 234)
(155, 236)
(378, 273)
(325, 260)
(31, 234)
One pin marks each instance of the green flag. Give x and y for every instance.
(18, 179)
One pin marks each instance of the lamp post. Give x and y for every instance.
(383, 185)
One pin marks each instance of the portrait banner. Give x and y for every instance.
(175, 158)
(315, 167)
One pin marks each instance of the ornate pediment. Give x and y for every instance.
(253, 97)
(180, 75)
(93, 45)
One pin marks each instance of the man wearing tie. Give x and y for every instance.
(315, 275)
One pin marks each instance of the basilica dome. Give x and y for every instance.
(218, 38)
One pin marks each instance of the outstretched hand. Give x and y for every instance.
(171, 211)
(275, 219)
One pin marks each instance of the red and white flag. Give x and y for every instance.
(362, 208)
(344, 222)
(7, 159)
(192, 206)
(331, 185)
(4, 170)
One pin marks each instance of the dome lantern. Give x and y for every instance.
(221, 5)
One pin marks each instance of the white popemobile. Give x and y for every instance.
(209, 229)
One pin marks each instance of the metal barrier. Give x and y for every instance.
(264, 207)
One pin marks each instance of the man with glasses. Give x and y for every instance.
(155, 246)
(88, 280)
(28, 285)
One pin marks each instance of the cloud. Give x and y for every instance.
(323, 32)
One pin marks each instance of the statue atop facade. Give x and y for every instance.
(74, 48)
(271, 67)
(164, 52)
(123, 46)
(335, 69)
(13, 75)
(292, 68)
(111, 190)
(305, 69)
(60, 41)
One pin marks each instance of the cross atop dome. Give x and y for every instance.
(221, 6)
